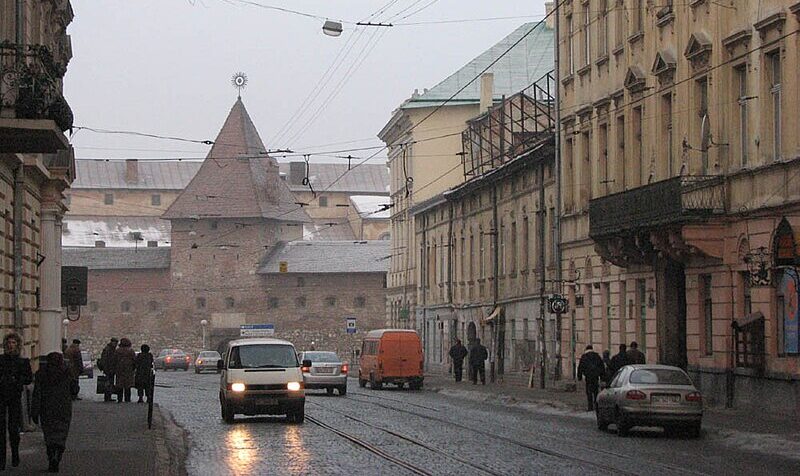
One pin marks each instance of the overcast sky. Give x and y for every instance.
(164, 67)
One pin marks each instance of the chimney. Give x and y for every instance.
(551, 19)
(131, 171)
(297, 172)
(487, 91)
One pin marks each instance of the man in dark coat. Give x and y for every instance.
(457, 353)
(477, 356)
(591, 366)
(618, 361)
(74, 362)
(144, 372)
(52, 406)
(15, 373)
(125, 368)
(108, 364)
(635, 356)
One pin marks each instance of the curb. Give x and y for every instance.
(171, 441)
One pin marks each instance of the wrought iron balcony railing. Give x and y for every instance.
(672, 201)
(30, 85)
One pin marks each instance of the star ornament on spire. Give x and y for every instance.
(239, 81)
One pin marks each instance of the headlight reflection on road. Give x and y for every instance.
(295, 451)
(242, 450)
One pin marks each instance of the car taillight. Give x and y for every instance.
(168, 359)
(345, 368)
(694, 397)
(635, 395)
(187, 358)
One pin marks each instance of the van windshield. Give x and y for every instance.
(263, 356)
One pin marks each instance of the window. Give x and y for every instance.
(623, 304)
(620, 155)
(526, 243)
(152, 306)
(707, 313)
(590, 312)
(638, 16)
(667, 133)
(587, 38)
(273, 303)
(300, 302)
(482, 256)
(740, 73)
(619, 24)
(775, 89)
(514, 250)
(94, 306)
(229, 303)
(602, 29)
(603, 150)
(553, 237)
(701, 91)
(214, 224)
(607, 299)
(569, 177)
(152, 244)
(570, 47)
(301, 282)
(747, 300)
(503, 256)
(126, 306)
(360, 301)
(108, 199)
(638, 143)
(155, 199)
(330, 301)
(586, 170)
(200, 303)
(99, 244)
(323, 201)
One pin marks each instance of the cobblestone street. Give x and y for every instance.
(403, 432)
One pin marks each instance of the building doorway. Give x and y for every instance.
(671, 312)
(472, 333)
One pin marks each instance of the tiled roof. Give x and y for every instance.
(237, 179)
(531, 59)
(367, 178)
(314, 257)
(114, 231)
(153, 174)
(372, 207)
(116, 258)
(321, 230)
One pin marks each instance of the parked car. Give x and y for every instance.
(207, 360)
(327, 371)
(650, 395)
(262, 377)
(88, 363)
(391, 356)
(172, 359)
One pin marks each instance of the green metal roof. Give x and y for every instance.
(528, 61)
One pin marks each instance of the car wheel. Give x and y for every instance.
(329, 390)
(623, 426)
(227, 413)
(343, 390)
(695, 430)
(602, 424)
(297, 417)
(196, 370)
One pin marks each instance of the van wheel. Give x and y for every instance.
(415, 385)
(329, 390)
(297, 417)
(374, 384)
(227, 413)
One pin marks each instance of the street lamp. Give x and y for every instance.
(203, 324)
(332, 28)
(66, 323)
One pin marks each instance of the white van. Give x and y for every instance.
(261, 377)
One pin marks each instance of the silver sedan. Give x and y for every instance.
(650, 395)
(207, 360)
(327, 371)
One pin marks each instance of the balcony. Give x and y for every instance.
(33, 111)
(679, 200)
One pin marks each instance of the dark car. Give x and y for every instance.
(172, 359)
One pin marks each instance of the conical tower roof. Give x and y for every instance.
(237, 179)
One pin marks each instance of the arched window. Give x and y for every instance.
(300, 301)
(330, 301)
(385, 236)
(126, 306)
(200, 303)
(360, 301)
(152, 306)
(273, 303)
(229, 303)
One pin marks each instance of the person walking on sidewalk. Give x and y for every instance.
(74, 361)
(477, 356)
(52, 406)
(607, 366)
(618, 361)
(126, 370)
(457, 353)
(144, 373)
(15, 373)
(635, 356)
(591, 366)
(107, 364)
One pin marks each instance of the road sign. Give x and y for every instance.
(350, 325)
(257, 330)
(283, 266)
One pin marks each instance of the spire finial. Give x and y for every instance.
(239, 81)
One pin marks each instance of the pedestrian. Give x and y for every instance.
(457, 353)
(591, 366)
(74, 362)
(618, 361)
(477, 356)
(144, 373)
(125, 358)
(15, 373)
(635, 356)
(107, 364)
(607, 366)
(52, 406)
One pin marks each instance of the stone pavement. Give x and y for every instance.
(108, 439)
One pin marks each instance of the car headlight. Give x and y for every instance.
(237, 387)
(293, 386)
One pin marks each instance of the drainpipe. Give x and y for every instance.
(557, 217)
(542, 280)
(730, 374)
(495, 284)
(19, 198)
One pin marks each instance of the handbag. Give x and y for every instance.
(102, 384)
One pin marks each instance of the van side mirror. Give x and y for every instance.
(220, 364)
(307, 363)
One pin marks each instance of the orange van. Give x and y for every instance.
(391, 356)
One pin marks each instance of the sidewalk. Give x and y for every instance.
(107, 439)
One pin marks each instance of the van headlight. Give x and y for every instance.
(237, 387)
(293, 386)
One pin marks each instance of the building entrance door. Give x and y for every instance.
(671, 312)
